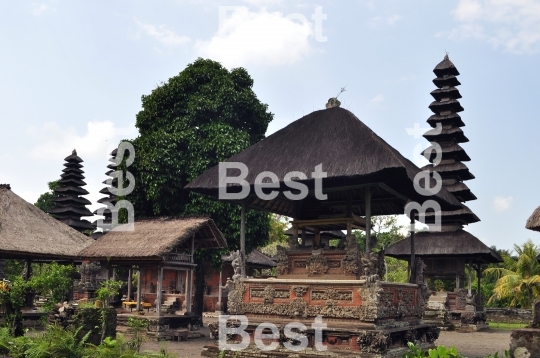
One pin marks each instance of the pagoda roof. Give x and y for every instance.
(73, 165)
(77, 223)
(463, 216)
(70, 209)
(351, 154)
(456, 169)
(450, 105)
(461, 191)
(72, 180)
(453, 150)
(69, 199)
(446, 67)
(450, 92)
(449, 244)
(452, 118)
(66, 190)
(446, 80)
(453, 133)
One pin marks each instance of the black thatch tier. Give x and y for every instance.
(110, 199)
(114, 152)
(72, 181)
(456, 170)
(80, 225)
(71, 190)
(450, 105)
(446, 119)
(71, 210)
(533, 222)
(452, 151)
(113, 167)
(450, 92)
(105, 191)
(446, 67)
(351, 154)
(109, 172)
(460, 191)
(70, 174)
(451, 133)
(73, 165)
(71, 200)
(463, 216)
(332, 234)
(72, 171)
(446, 81)
(447, 244)
(114, 182)
(73, 158)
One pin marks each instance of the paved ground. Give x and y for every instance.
(472, 345)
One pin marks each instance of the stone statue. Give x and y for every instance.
(282, 261)
(236, 264)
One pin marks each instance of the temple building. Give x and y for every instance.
(446, 253)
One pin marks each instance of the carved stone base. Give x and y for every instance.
(523, 341)
(383, 343)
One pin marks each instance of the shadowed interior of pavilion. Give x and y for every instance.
(365, 176)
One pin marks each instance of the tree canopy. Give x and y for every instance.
(188, 124)
(45, 201)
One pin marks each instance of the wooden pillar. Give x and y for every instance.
(349, 229)
(243, 238)
(130, 273)
(139, 289)
(189, 289)
(159, 289)
(303, 237)
(219, 305)
(368, 219)
(412, 276)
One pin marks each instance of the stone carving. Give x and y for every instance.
(405, 302)
(300, 264)
(536, 315)
(298, 307)
(89, 272)
(432, 334)
(293, 242)
(425, 292)
(316, 265)
(374, 342)
(235, 296)
(334, 264)
(282, 261)
(236, 264)
(370, 266)
(300, 291)
(268, 294)
(410, 336)
(461, 300)
(349, 262)
(331, 293)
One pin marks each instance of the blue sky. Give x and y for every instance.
(72, 75)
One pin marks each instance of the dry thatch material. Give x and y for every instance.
(154, 238)
(533, 222)
(255, 259)
(447, 244)
(350, 152)
(28, 232)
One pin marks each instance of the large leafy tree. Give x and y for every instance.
(188, 124)
(45, 201)
(519, 279)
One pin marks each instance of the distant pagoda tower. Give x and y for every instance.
(70, 205)
(110, 198)
(448, 134)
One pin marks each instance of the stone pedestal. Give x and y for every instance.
(525, 343)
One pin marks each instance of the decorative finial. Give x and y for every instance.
(74, 152)
(333, 102)
(5, 186)
(446, 56)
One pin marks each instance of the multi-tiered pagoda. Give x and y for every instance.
(70, 205)
(110, 199)
(446, 253)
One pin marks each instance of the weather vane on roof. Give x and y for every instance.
(333, 102)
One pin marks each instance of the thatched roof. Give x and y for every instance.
(334, 234)
(533, 222)
(447, 244)
(351, 154)
(28, 232)
(154, 238)
(255, 259)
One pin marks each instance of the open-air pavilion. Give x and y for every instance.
(161, 250)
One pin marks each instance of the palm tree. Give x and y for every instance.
(518, 280)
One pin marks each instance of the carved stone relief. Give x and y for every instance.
(331, 293)
(374, 342)
(282, 261)
(300, 291)
(316, 265)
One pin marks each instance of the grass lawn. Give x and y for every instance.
(510, 326)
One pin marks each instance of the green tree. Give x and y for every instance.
(188, 124)
(385, 228)
(45, 201)
(519, 279)
(276, 234)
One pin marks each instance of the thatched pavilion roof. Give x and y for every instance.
(351, 154)
(446, 244)
(28, 232)
(153, 238)
(255, 259)
(533, 222)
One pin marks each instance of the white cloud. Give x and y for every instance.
(268, 38)
(53, 142)
(501, 204)
(390, 20)
(263, 2)
(38, 9)
(513, 25)
(163, 35)
(377, 99)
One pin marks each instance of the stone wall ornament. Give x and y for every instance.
(282, 261)
(425, 292)
(316, 265)
(235, 296)
(300, 291)
(269, 294)
(370, 266)
(349, 262)
(236, 264)
(89, 272)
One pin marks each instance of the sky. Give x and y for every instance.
(72, 75)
